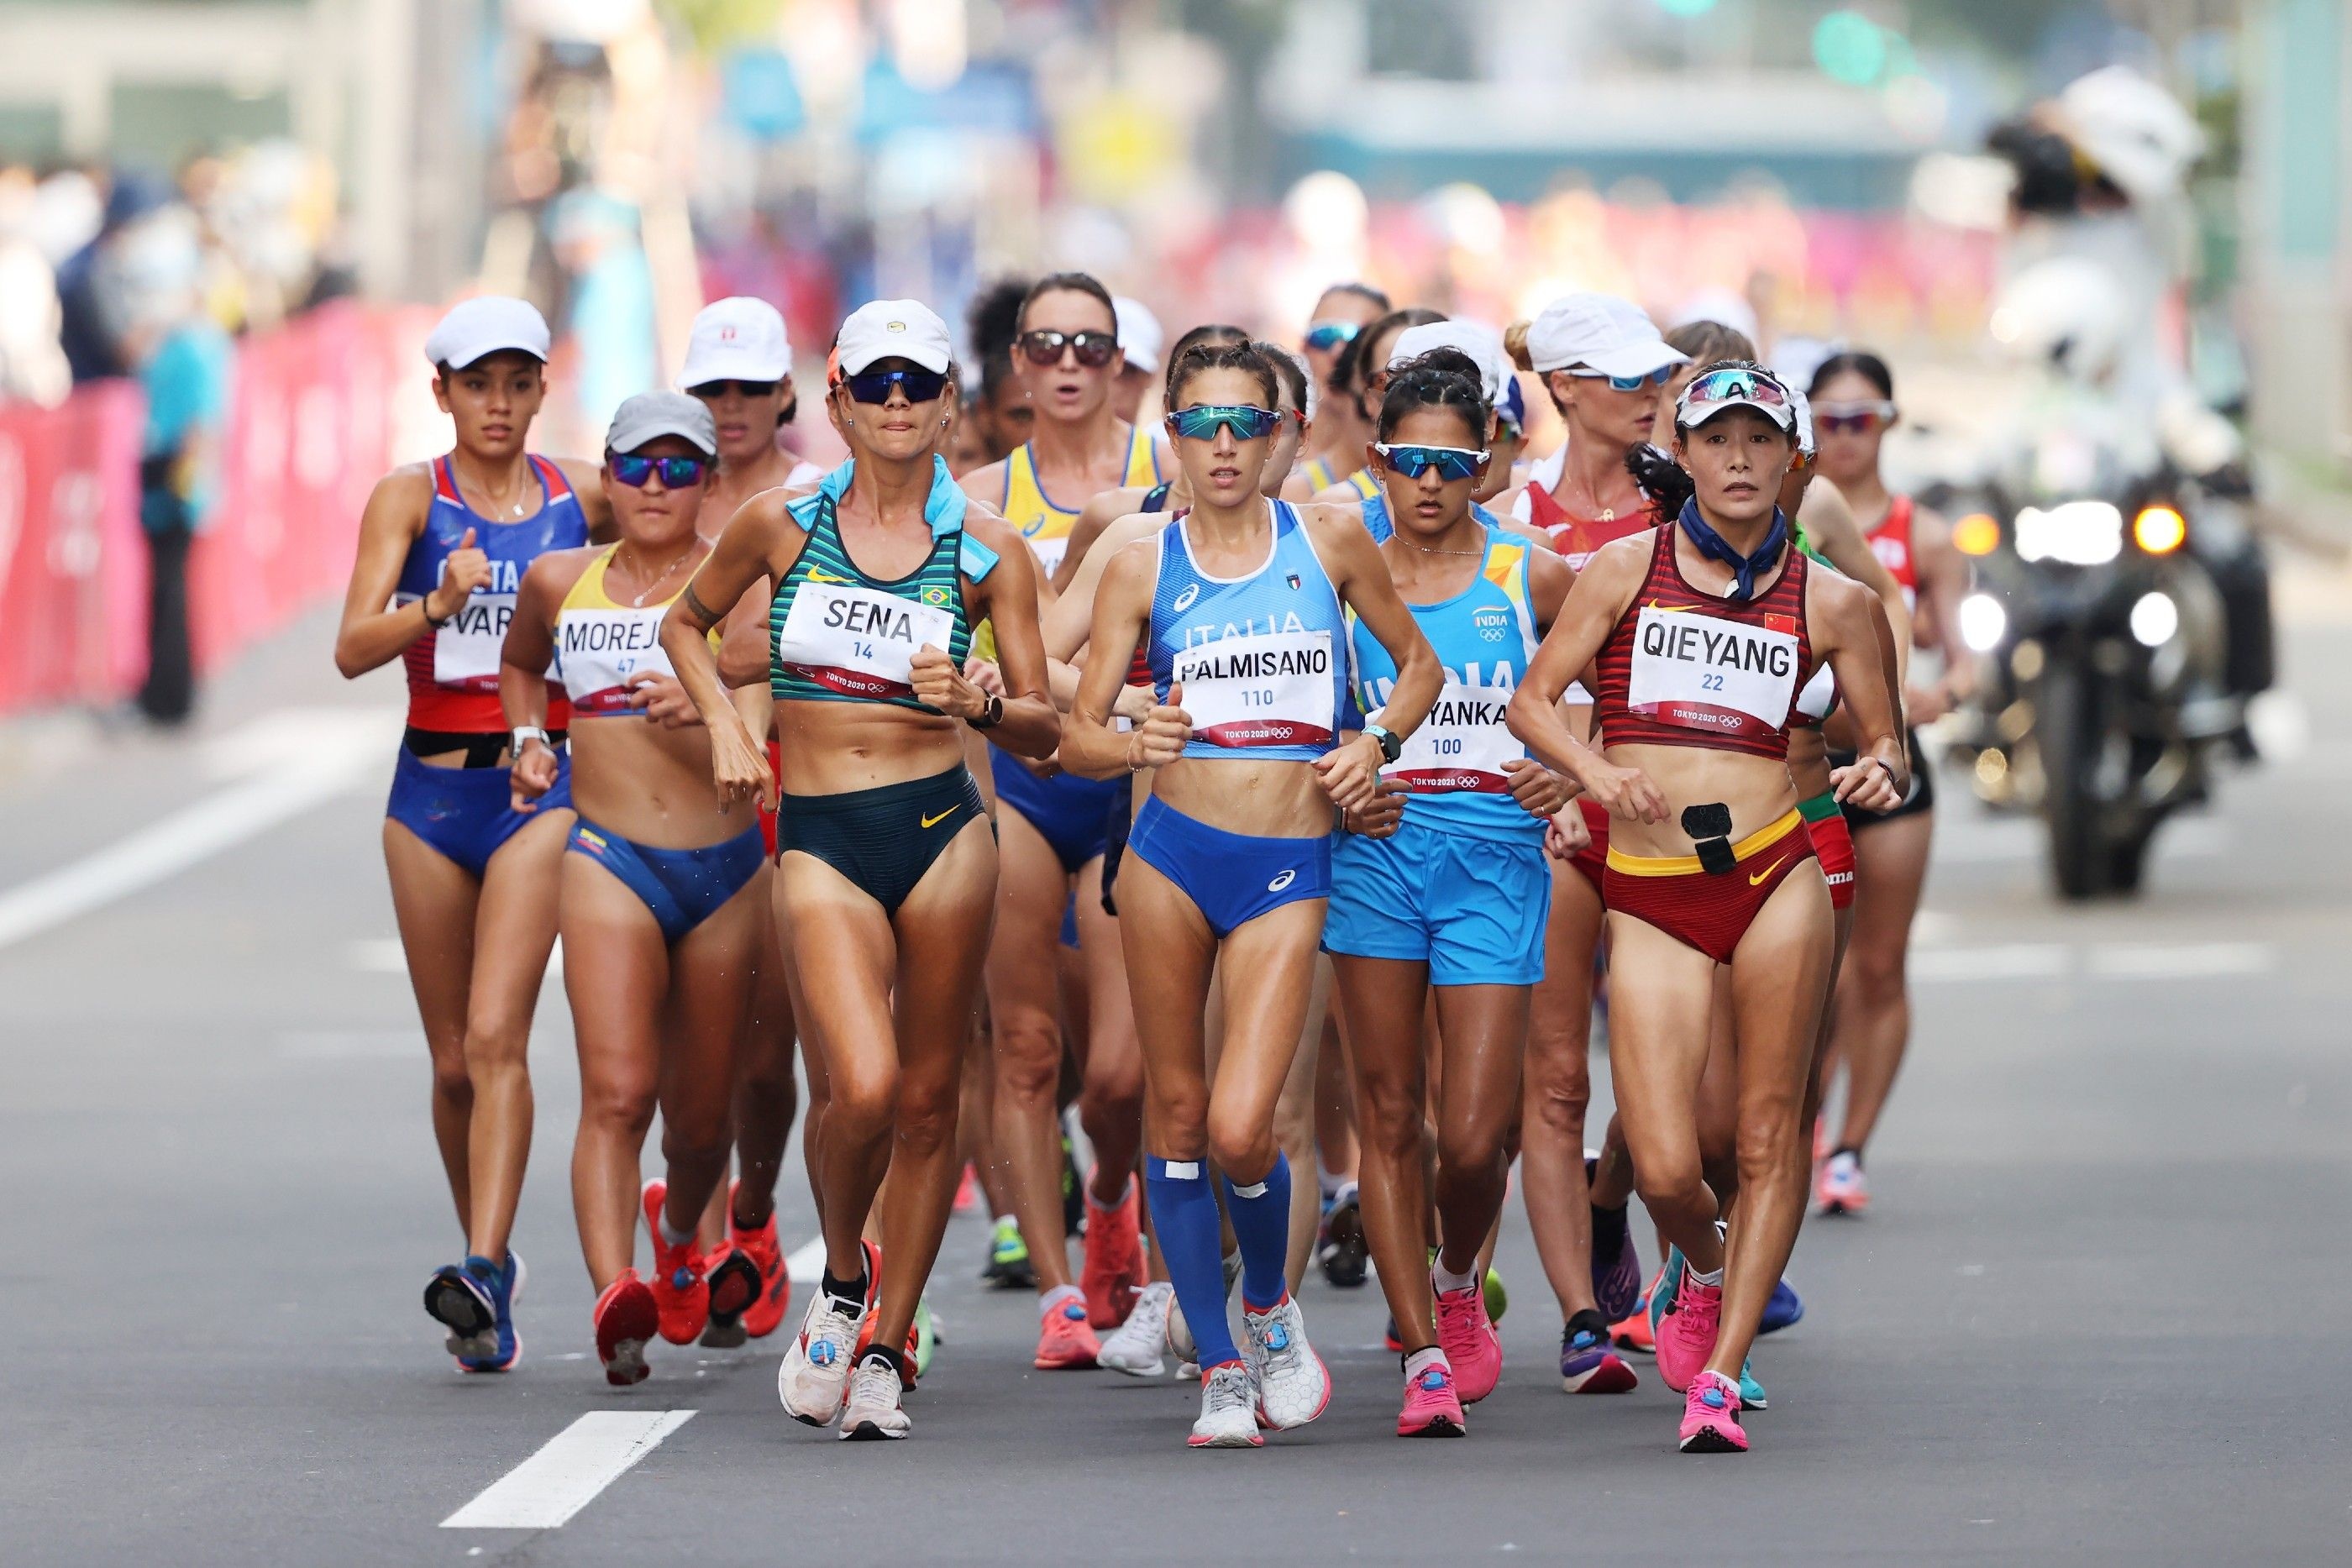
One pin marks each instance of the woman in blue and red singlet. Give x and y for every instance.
(443, 547)
(1702, 634)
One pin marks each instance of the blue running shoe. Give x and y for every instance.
(1616, 1266)
(1662, 1294)
(458, 1303)
(1785, 1308)
(1588, 1363)
(1751, 1393)
(501, 1347)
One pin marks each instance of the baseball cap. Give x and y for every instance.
(1139, 333)
(1804, 406)
(1735, 386)
(736, 339)
(488, 324)
(894, 329)
(1599, 333)
(1482, 344)
(650, 415)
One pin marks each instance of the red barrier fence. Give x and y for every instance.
(311, 427)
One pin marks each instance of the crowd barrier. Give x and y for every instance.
(319, 410)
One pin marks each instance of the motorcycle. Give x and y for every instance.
(2119, 617)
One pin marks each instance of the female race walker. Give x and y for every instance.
(739, 365)
(887, 873)
(660, 912)
(1453, 896)
(1854, 407)
(1703, 633)
(1051, 832)
(445, 544)
(1243, 603)
(1338, 443)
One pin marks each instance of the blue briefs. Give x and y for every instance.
(683, 888)
(465, 814)
(1232, 878)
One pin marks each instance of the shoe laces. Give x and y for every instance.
(1228, 1390)
(1274, 1337)
(874, 1382)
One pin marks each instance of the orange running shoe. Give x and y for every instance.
(967, 1197)
(1114, 1266)
(625, 1319)
(1633, 1333)
(1065, 1343)
(681, 1287)
(766, 1313)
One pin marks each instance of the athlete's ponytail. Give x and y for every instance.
(1665, 482)
(1515, 343)
(1441, 377)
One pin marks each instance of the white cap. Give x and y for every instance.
(1599, 333)
(488, 324)
(894, 329)
(1805, 442)
(1736, 387)
(650, 415)
(1482, 344)
(736, 339)
(1139, 333)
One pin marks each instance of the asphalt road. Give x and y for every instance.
(2098, 1315)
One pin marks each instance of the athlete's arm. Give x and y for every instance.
(1031, 726)
(743, 644)
(1352, 773)
(588, 483)
(1532, 534)
(1098, 515)
(986, 484)
(1600, 595)
(1550, 577)
(1838, 615)
(759, 540)
(376, 632)
(1943, 583)
(1091, 746)
(523, 658)
(1830, 523)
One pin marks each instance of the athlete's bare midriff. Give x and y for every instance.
(833, 747)
(1757, 788)
(1263, 800)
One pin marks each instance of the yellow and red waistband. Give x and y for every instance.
(1753, 844)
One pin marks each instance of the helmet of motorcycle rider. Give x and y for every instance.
(2132, 132)
(2065, 313)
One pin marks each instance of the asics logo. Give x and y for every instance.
(1285, 880)
(1185, 599)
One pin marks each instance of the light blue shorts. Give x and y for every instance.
(1473, 908)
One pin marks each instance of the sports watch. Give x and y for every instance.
(1390, 747)
(524, 733)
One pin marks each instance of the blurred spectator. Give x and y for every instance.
(183, 364)
(611, 315)
(32, 366)
(95, 312)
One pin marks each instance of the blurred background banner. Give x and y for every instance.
(1818, 169)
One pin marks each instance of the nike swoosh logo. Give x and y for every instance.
(1661, 609)
(943, 816)
(818, 574)
(1758, 879)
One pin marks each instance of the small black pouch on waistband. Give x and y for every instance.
(1709, 827)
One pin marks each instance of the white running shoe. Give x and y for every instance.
(1293, 1383)
(1228, 1410)
(873, 1411)
(1180, 1332)
(814, 1378)
(1135, 1347)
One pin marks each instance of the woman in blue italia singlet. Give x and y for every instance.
(443, 547)
(1240, 600)
(1449, 892)
(886, 869)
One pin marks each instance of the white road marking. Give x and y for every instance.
(806, 1262)
(565, 1476)
(384, 955)
(281, 786)
(2136, 961)
(1976, 841)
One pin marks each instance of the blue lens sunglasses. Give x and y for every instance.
(874, 386)
(1202, 420)
(676, 473)
(1412, 462)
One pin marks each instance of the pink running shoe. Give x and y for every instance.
(1468, 1338)
(1842, 1189)
(1711, 1416)
(1686, 1333)
(1431, 1407)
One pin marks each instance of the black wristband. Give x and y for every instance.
(425, 605)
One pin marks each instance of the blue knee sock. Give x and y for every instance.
(1261, 1216)
(1184, 1212)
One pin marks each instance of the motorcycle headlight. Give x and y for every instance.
(1983, 621)
(2159, 530)
(2079, 533)
(2154, 618)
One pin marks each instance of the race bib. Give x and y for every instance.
(1272, 689)
(599, 651)
(1820, 696)
(1050, 553)
(1461, 746)
(465, 651)
(860, 642)
(1696, 670)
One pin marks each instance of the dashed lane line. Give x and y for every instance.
(564, 1476)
